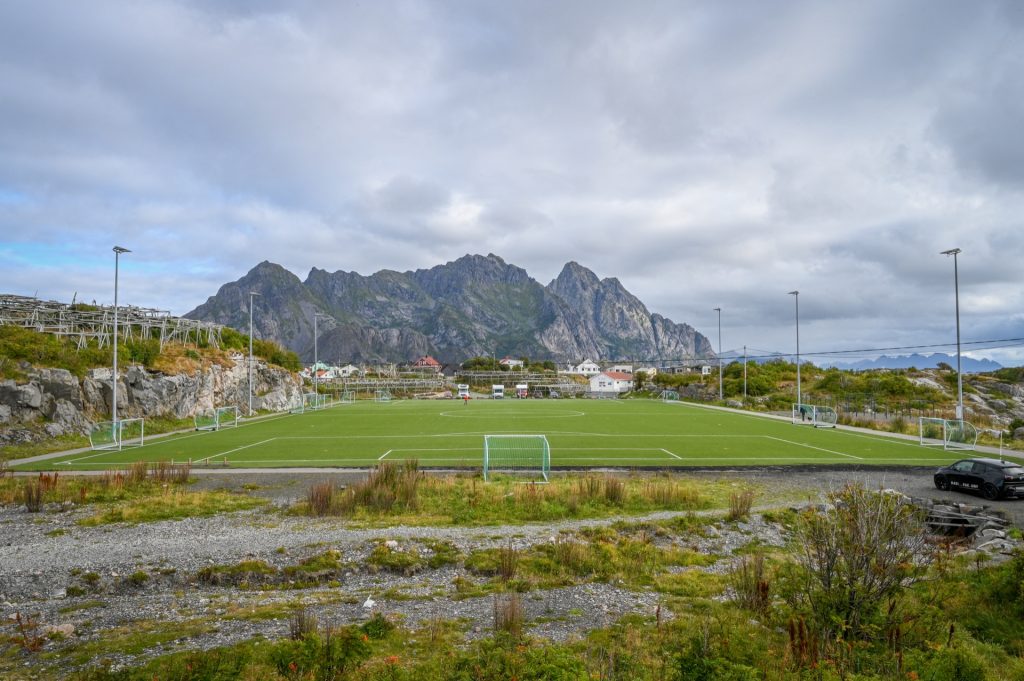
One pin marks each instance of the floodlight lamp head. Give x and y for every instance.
(793, 293)
(121, 249)
(254, 293)
(952, 251)
(717, 309)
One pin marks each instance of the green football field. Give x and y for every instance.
(581, 433)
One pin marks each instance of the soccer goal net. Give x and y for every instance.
(227, 417)
(815, 415)
(947, 433)
(528, 455)
(669, 396)
(382, 396)
(107, 435)
(205, 419)
(347, 397)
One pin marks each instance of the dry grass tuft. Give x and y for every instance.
(508, 614)
(740, 504)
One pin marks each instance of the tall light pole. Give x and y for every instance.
(251, 294)
(796, 297)
(744, 373)
(720, 393)
(959, 376)
(118, 250)
(316, 355)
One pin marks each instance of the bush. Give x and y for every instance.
(853, 561)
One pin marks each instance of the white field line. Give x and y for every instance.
(820, 449)
(671, 454)
(381, 457)
(236, 449)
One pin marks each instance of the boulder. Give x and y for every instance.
(1018, 433)
(61, 384)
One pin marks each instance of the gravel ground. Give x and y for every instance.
(42, 555)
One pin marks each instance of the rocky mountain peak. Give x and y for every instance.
(473, 305)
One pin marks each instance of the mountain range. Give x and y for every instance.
(474, 306)
(919, 361)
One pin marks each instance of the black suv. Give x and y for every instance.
(994, 479)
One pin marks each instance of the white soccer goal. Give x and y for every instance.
(815, 415)
(947, 433)
(108, 435)
(669, 396)
(528, 455)
(227, 417)
(382, 396)
(347, 397)
(205, 419)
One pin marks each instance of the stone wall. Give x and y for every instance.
(54, 402)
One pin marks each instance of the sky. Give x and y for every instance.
(706, 154)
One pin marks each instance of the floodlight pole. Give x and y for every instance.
(720, 393)
(316, 356)
(959, 376)
(118, 250)
(796, 297)
(251, 294)
(744, 373)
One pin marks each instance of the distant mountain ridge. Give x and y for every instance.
(474, 306)
(967, 364)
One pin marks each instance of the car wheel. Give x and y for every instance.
(989, 491)
(942, 482)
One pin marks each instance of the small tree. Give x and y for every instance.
(854, 560)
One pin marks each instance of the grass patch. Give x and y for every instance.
(172, 504)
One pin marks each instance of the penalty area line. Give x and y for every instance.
(671, 454)
(820, 449)
(236, 449)
(381, 457)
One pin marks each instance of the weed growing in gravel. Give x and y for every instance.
(740, 504)
(394, 559)
(508, 614)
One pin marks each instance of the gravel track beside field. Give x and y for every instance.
(39, 553)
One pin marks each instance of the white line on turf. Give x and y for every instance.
(671, 454)
(236, 449)
(820, 449)
(381, 457)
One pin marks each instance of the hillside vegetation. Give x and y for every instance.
(884, 399)
(19, 345)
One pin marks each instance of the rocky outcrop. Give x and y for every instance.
(476, 305)
(54, 402)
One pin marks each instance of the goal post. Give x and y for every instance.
(205, 419)
(669, 396)
(950, 434)
(815, 415)
(110, 435)
(528, 455)
(382, 396)
(347, 397)
(227, 417)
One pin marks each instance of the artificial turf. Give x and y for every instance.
(582, 433)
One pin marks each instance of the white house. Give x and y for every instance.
(622, 368)
(347, 370)
(510, 362)
(650, 371)
(587, 368)
(611, 382)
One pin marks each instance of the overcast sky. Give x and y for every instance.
(705, 153)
